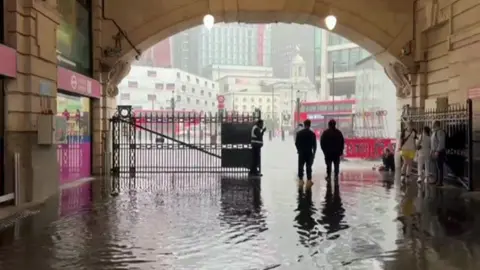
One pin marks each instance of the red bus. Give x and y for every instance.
(320, 112)
(162, 121)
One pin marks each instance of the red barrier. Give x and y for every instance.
(366, 148)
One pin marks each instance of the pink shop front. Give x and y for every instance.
(74, 99)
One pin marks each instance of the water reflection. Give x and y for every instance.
(215, 222)
(306, 224)
(333, 212)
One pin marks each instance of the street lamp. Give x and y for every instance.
(208, 21)
(330, 22)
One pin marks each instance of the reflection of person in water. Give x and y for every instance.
(306, 224)
(333, 211)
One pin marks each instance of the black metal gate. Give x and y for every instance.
(145, 143)
(456, 120)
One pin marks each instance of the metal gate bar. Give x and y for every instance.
(147, 143)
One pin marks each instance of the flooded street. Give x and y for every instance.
(367, 221)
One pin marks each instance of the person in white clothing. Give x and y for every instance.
(423, 155)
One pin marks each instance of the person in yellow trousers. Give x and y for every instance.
(408, 148)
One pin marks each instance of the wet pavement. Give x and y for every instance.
(367, 221)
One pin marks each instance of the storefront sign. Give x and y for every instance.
(76, 83)
(8, 62)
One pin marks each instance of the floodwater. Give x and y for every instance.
(367, 221)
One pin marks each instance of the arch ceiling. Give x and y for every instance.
(382, 27)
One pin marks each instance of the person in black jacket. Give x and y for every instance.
(256, 141)
(332, 144)
(306, 143)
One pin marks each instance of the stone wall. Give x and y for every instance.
(447, 51)
(31, 30)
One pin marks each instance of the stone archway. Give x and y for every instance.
(383, 27)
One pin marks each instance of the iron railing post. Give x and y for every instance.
(471, 185)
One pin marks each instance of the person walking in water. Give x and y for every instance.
(332, 144)
(256, 141)
(408, 148)
(424, 155)
(306, 144)
(438, 151)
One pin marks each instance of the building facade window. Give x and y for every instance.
(151, 73)
(74, 36)
(132, 84)
(159, 86)
(125, 96)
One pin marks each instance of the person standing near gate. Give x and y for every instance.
(306, 144)
(408, 149)
(297, 129)
(438, 143)
(256, 141)
(332, 144)
(424, 154)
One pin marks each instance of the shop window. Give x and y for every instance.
(159, 86)
(151, 73)
(132, 84)
(74, 151)
(74, 36)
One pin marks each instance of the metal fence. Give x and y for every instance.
(456, 120)
(180, 142)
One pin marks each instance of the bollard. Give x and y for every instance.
(16, 176)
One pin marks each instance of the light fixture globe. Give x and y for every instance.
(208, 21)
(330, 22)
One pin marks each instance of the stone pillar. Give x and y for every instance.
(31, 29)
(104, 108)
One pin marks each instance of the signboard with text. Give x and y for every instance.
(73, 82)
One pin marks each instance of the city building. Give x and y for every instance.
(224, 44)
(159, 55)
(218, 71)
(373, 92)
(288, 40)
(338, 65)
(166, 89)
(277, 98)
